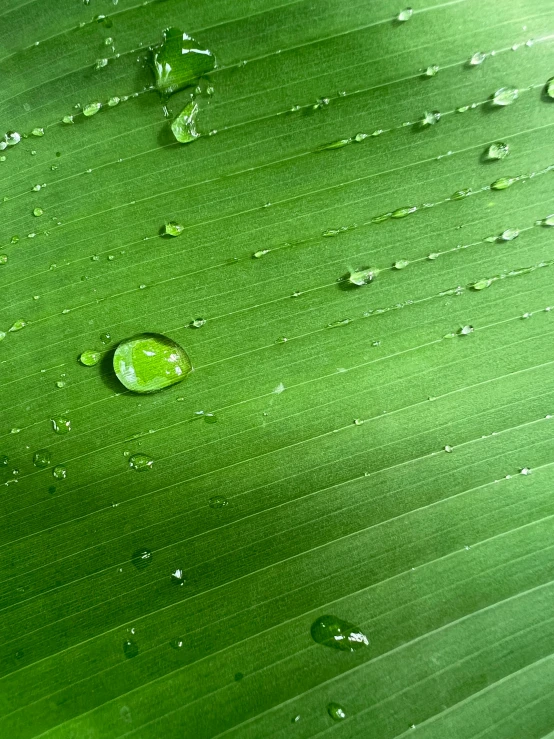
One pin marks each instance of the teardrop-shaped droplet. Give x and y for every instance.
(150, 362)
(498, 150)
(405, 15)
(477, 58)
(509, 234)
(179, 62)
(91, 109)
(336, 711)
(184, 126)
(337, 633)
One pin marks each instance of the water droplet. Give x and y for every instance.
(184, 126)
(380, 219)
(178, 577)
(465, 330)
(509, 234)
(140, 462)
(100, 63)
(42, 458)
(429, 119)
(261, 253)
(498, 150)
(15, 430)
(218, 501)
(460, 194)
(360, 137)
(448, 449)
(105, 337)
(177, 643)
(67, 119)
(377, 132)
(60, 383)
(90, 358)
(434, 255)
(335, 144)
(59, 472)
(336, 711)
(172, 228)
(525, 471)
(3, 258)
(14, 239)
(179, 61)
(477, 58)
(401, 263)
(358, 422)
(150, 362)
(18, 325)
(548, 221)
(481, 284)
(142, 558)
(12, 138)
(362, 276)
(503, 182)
(130, 648)
(405, 15)
(91, 109)
(38, 132)
(403, 212)
(432, 70)
(61, 425)
(505, 96)
(38, 212)
(197, 323)
(549, 89)
(113, 101)
(337, 633)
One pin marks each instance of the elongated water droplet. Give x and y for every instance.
(401, 263)
(363, 276)
(59, 472)
(335, 632)
(18, 325)
(360, 137)
(90, 358)
(261, 253)
(380, 219)
(477, 58)
(509, 234)
(172, 228)
(336, 711)
(184, 126)
(140, 462)
(432, 70)
(335, 144)
(403, 212)
(42, 458)
(218, 501)
(405, 15)
(481, 284)
(548, 221)
(179, 62)
(150, 362)
(505, 96)
(142, 558)
(130, 648)
(38, 131)
(460, 194)
(61, 425)
(503, 182)
(549, 89)
(91, 109)
(498, 150)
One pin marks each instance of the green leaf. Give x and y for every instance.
(165, 555)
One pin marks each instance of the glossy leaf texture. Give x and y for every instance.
(361, 272)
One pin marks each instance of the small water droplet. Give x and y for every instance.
(141, 558)
(549, 89)
(335, 632)
(465, 330)
(401, 263)
(432, 70)
(38, 131)
(12, 138)
(184, 126)
(362, 276)
(3, 258)
(42, 458)
(172, 228)
(448, 449)
(91, 109)
(59, 472)
(218, 501)
(113, 101)
(498, 150)
(434, 255)
(509, 234)
(100, 63)
(140, 462)
(336, 711)
(15, 430)
(403, 212)
(130, 648)
(481, 284)
(525, 471)
(429, 119)
(334, 144)
(149, 362)
(197, 323)
(477, 58)
(177, 643)
(360, 137)
(18, 325)
(89, 358)
(503, 182)
(505, 96)
(61, 425)
(67, 119)
(461, 194)
(261, 253)
(358, 422)
(37, 212)
(178, 577)
(548, 221)
(405, 15)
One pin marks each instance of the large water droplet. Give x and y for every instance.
(431, 70)
(140, 462)
(548, 221)
(505, 96)
(498, 150)
(42, 458)
(179, 61)
(334, 632)
(130, 648)
(150, 362)
(184, 126)
(336, 711)
(141, 558)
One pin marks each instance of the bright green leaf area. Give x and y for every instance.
(369, 438)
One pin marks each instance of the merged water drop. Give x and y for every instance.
(150, 362)
(179, 62)
(335, 632)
